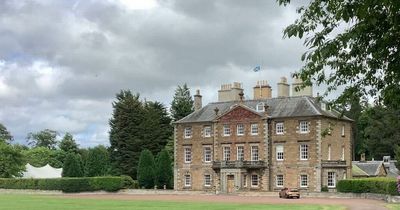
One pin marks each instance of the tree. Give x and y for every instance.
(163, 170)
(145, 172)
(68, 144)
(352, 43)
(397, 155)
(182, 104)
(72, 166)
(45, 138)
(12, 162)
(98, 162)
(5, 136)
(41, 156)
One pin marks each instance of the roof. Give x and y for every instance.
(298, 106)
(371, 168)
(391, 168)
(356, 171)
(42, 172)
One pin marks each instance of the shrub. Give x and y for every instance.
(72, 166)
(70, 185)
(145, 171)
(163, 170)
(369, 185)
(398, 184)
(98, 162)
(324, 188)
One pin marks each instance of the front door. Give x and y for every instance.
(230, 183)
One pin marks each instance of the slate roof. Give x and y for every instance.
(299, 106)
(391, 169)
(371, 168)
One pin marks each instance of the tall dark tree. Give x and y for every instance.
(125, 134)
(68, 144)
(98, 162)
(182, 104)
(12, 162)
(72, 166)
(397, 156)
(163, 170)
(352, 43)
(145, 172)
(45, 138)
(5, 135)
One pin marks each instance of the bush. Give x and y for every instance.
(145, 172)
(163, 170)
(324, 188)
(70, 185)
(370, 185)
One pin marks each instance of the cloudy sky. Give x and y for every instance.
(62, 62)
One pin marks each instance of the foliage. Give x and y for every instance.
(182, 104)
(44, 138)
(170, 148)
(369, 185)
(12, 162)
(5, 135)
(41, 156)
(324, 188)
(398, 184)
(68, 144)
(98, 162)
(397, 156)
(110, 184)
(145, 172)
(72, 166)
(163, 170)
(357, 41)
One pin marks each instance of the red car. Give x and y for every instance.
(289, 193)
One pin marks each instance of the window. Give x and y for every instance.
(207, 180)
(207, 131)
(342, 153)
(279, 128)
(279, 152)
(188, 132)
(227, 153)
(343, 130)
(188, 180)
(303, 152)
(240, 129)
(254, 180)
(303, 181)
(254, 153)
(227, 130)
(254, 129)
(331, 179)
(188, 155)
(207, 154)
(279, 180)
(240, 153)
(244, 180)
(329, 152)
(304, 127)
(260, 107)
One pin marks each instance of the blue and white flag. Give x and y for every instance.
(257, 68)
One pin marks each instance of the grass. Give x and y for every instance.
(32, 202)
(393, 206)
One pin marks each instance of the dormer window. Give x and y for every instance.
(260, 107)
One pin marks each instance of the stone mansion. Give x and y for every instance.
(263, 144)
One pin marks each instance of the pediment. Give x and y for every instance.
(240, 113)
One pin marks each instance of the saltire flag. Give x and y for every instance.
(257, 68)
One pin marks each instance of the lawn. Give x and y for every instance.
(394, 206)
(31, 202)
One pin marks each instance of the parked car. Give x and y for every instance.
(289, 193)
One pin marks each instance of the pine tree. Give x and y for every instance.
(397, 156)
(182, 104)
(97, 163)
(163, 170)
(5, 135)
(145, 170)
(72, 166)
(68, 144)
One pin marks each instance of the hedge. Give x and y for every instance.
(70, 185)
(369, 185)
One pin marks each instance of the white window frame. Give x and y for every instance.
(279, 180)
(255, 178)
(303, 179)
(280, 154)
(240, 129)
(227, 130)
(187, 155)
(207, 131)
(254, 129)
(255, 153)
(226, 153)
(260, 107)
(188, 180)
(331, 179)
(207, 154)
(303, 151)
(304, 127)
(188, 132)
(279, 128)
(240, 155)
(207, 180)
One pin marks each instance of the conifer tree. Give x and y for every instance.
(163, 170)
(72, 166)
(97, 163)
(145, 172)
(68, 144)
(182, 104)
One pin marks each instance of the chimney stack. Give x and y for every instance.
(283, 88)
(262, 90)
(197, 101)
(230, 92)
(362, 158)
(306, 91)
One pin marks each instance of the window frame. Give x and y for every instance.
(226, 153)
(188, 177)
(304, 153)
(226, 130)
(255, 154)
(252, 180)
(240, 127)
(331, 179)
(304, 124)
(205, 180)
(187, 157)
(302, 180)
(278, 180)
(279, 128)
(206, 154)
(242, 152)
(253, 127)
(207, 131)
(188, 132)
(262, 105)
(277, 153)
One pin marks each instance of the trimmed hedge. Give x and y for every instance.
(70, 185)
(369, 185)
